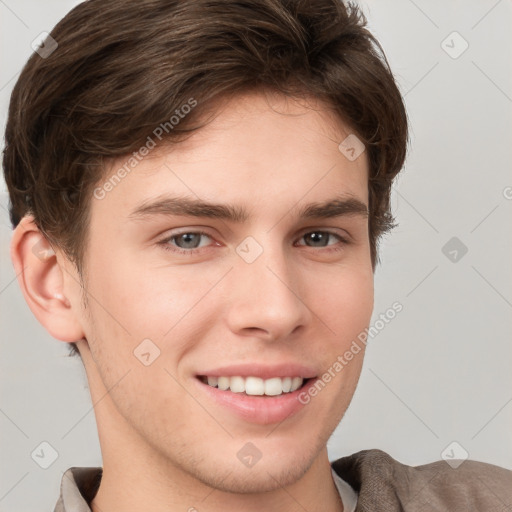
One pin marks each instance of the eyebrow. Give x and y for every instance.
(184, 206)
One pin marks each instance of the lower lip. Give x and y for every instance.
(258, 409)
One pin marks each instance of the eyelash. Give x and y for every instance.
(191, 252)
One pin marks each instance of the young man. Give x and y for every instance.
(198, 189)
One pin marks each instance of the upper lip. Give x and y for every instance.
(264, 371)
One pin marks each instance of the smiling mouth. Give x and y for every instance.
(256, 386)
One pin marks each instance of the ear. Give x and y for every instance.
(40, 276)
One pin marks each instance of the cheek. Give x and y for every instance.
(346, 309)
(347, 303)
(145, 300)
(136, 302)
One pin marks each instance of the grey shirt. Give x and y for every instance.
(370, 481)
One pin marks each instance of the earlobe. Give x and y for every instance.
(40, 277)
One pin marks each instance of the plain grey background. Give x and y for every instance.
(439, 372)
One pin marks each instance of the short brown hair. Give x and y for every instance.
(123, 67)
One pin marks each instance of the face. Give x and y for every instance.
(265, 282)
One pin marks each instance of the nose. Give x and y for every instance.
(265, 296)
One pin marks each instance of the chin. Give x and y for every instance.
(266, 475)
(241, 480)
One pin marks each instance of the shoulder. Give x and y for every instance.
(380, 479)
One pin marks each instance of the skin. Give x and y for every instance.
(297, 301)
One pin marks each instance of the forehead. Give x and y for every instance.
(260, 149)
(269, 119)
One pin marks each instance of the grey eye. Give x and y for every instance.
(188, 240)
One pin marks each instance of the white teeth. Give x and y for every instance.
(296, 383)
(273, 386)
(237, 384)
(223, 383)
(255, 385)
